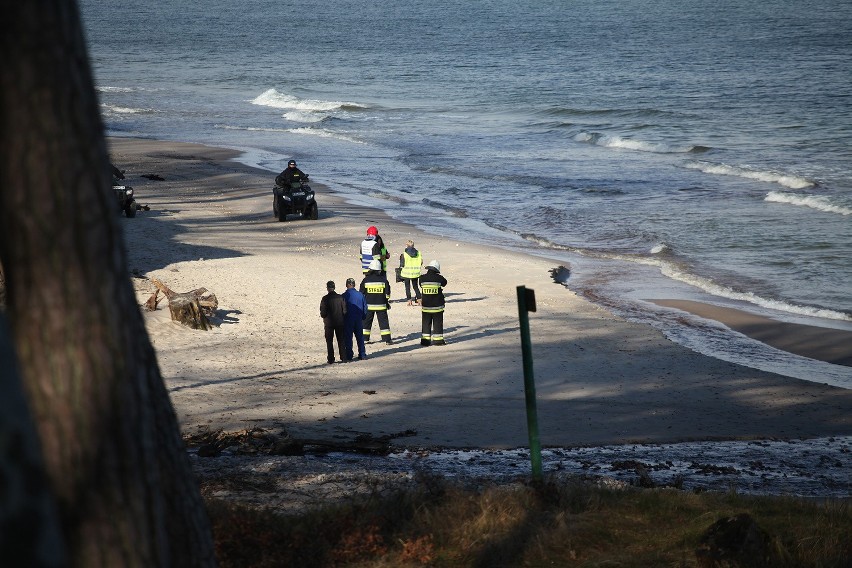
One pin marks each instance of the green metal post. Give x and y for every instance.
(526, 304)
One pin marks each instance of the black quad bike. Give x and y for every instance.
(126, 202)
(123, 193)
(297, 199)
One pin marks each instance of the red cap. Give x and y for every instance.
(372, 231)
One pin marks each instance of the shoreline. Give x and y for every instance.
(823, 343)
(820, 343)
(600, 379)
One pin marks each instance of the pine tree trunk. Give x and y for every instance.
(110, 439)
(29, 523)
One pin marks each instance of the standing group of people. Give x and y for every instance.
(351, 314)
(343, 315)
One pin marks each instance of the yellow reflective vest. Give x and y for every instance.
(411, 265)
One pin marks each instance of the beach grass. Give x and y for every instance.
(556, 524)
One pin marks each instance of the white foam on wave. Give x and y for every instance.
(812, 201)
(787, 180)
(671, 270)
(125, 110)
(323, 133)
(304, 130)
(250, 128)
(618, 142)
(114, 89)
(275, 99)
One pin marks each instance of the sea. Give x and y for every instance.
(689, 150)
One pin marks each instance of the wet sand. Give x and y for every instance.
(824, 344)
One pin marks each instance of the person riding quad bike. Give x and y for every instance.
(290, 175)
(292, 195)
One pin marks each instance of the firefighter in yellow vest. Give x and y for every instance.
(432, 306)
(376, 289)
(410, 262)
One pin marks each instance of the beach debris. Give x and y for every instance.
(153, 177)
(191, 309)
(560, 274)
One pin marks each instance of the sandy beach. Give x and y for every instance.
(599, 379)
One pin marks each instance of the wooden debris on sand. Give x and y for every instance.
(192, 309)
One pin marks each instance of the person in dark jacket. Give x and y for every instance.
(356, 311)
(432, 305)
(376, 289)
(384, 255)
(290, 175)
(333, 313)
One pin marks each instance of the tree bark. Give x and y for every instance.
(110, 439)
(29, 524)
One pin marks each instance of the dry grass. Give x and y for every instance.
(559, 524)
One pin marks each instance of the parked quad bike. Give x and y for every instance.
(123, 193)
(297, 199)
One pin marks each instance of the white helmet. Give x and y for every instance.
(434, 264)
(375, 264)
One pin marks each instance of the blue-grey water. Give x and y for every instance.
(661, 150)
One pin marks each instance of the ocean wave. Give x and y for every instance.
(305, 130)
(114, 89)
(250, 128)
(621, 143)
(812, 201)
(113, 109)
(109, 89)
(673, 271)
(457, 212)
(597, 112)
(604, 190)
(787, 180)
(275, 99)
(323, 133)
(305, 116)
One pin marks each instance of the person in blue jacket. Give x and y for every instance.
(356, 309)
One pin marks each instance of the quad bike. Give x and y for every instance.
(123, 193)
(126, 202)
(297, 199)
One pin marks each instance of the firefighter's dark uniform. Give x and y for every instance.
(432, 307)
(376, 290)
